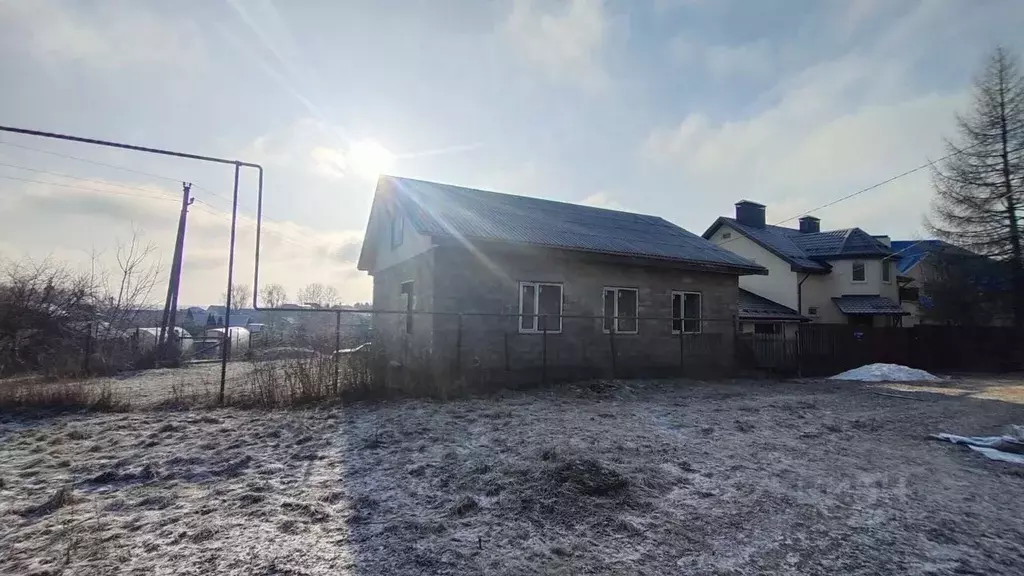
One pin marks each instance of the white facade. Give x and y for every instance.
(779, 285)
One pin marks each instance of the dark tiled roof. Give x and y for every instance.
(912, 252)
(872, 305)
(754, 307)
(808, 252)
(849, 243)
(465, 214)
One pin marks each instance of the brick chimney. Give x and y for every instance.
(750, 213)
(810, 225)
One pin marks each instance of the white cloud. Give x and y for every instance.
(564, 39)
(722, 61)
(68, 223)
(108, 34)
(832, 129)
(603, 200)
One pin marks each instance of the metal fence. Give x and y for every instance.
(486, 351)
(827, 349)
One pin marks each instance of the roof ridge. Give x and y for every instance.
(846, 239)
(507, 195)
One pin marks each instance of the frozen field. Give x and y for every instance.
(605, 478)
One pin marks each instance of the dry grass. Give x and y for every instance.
(61, 396)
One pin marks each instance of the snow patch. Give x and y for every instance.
(886, 373)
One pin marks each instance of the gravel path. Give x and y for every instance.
(604, 478)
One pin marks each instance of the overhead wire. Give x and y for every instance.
(100, 182)
(867, 189)
(195, 186)
(98, 190)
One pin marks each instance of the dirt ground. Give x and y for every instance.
(682, 477)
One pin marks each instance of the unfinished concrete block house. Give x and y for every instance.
(514, 281)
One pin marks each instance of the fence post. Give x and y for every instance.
(458, 348)
(507, 366)
(611, 343)
(337, 345)
(544, 352)
(682, 352)
(800, 350)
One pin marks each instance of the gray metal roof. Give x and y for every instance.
(466, 214)
(754, 307)
(808, 251)
(868, 305)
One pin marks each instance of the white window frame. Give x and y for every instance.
(615, 309)
(682, 312)
(886, 266)
(536, 307)
(853, 265)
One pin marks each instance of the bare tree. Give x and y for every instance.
(318, 294)
(42, 306)
(241, 295)
(980, 187)
(125, 291)
(273, 295)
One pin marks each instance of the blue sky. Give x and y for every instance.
(670, 107)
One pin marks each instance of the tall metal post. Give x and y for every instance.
(227, 305)
(544, 353)
(337, 346)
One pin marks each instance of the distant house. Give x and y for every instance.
(921, 260)
(446, 249)
(835, 276)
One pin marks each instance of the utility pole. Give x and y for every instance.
(166, 334)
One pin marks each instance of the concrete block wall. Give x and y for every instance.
(389, 330)
(487, 281)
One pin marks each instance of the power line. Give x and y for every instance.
(205, 207)
(102, 182)
(117, 167)
(868, 189)
(88, 161)
(166, 198)
(212, 210)
(242, 206)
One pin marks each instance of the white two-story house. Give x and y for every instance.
(837, 276)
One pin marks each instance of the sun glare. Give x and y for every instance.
(369, 159)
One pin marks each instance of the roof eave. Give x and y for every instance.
(773, 317)
(721, 221)
(702, 265)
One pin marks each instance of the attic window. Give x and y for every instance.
(726, 235)
(397, 230)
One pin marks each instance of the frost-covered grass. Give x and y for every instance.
(603, 478)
